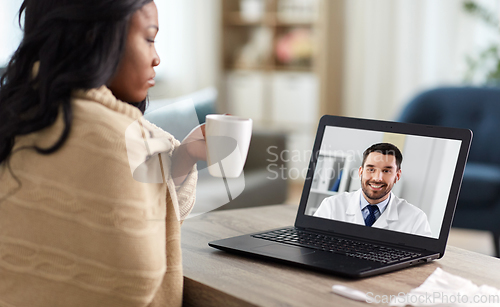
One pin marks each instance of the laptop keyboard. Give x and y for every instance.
(362, 250)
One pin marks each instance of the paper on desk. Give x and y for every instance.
(445, 289)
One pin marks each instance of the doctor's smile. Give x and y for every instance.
(376, 187)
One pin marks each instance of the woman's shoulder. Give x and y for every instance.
(101, 104)
(99, 107)
(98, 112)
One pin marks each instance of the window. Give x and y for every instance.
(10, 33)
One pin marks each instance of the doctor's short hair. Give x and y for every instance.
(385, 149)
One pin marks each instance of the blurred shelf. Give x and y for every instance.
(247, 67)
(258, 38)
(296, 23)
(269, 19)
(236, 19)
(270, 68)
(293, 68)
(255, 48)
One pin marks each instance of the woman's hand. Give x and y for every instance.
(192, 149)
(196, 143)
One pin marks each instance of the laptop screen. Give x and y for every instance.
(386, 180)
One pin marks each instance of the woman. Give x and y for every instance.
(79, 224)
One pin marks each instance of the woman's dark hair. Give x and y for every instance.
(78, 44)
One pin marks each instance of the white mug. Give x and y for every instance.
(228, 138)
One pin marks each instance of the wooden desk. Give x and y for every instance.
(217, 278)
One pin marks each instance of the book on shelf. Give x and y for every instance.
(336, 183)
(328, 173)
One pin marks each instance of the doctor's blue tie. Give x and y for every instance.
(370, 219)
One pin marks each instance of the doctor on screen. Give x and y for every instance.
(374, 204)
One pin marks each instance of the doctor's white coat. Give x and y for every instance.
(399, 215)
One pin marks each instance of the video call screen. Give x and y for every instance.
(418, 198)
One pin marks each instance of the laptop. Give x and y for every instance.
(415, 200)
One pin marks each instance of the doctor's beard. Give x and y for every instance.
(369, 194)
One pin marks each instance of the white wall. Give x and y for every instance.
(188, 44)
(428, 172)
(445, 171)
(397, 48)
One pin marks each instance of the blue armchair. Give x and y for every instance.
(477, 109)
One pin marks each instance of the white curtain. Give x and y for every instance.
(397, 48)
(10, 33)
(188, 45)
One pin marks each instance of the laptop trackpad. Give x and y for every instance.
(284, 252)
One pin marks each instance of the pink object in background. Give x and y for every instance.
(295, 47)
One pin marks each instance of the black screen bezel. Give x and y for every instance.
(377, 234)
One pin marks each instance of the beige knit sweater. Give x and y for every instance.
(80, 230)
